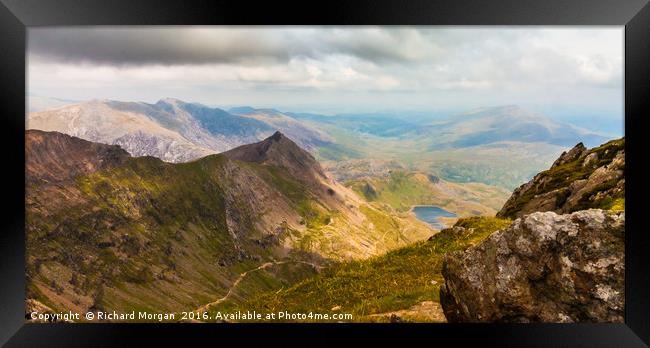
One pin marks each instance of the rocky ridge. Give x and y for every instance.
(579, 179)
(109, 231)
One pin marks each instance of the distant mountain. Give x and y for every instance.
(380, 125)
(306, 137)
(170, 129)
(474, 128)
(114, 232)
(508, 123)
(241, 110)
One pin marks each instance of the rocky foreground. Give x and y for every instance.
(547, 267)
(544, 267)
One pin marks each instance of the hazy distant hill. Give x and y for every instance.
(307, 137)
(508, 123)
(504, 145)
(381, 125)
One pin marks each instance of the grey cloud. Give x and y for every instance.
(210, 45)
(151, 45)
(335, 66)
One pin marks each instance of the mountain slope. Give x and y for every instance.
(44, 164)
(108, 231)
(335, 211)
(132, 129)
(401, 285)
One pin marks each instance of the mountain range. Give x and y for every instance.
(503, 146)
(508, 123)
(172, 130)
(219, 130)
(264, 226)
(108, 230)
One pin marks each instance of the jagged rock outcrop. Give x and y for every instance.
(579, 179)
(544, 267)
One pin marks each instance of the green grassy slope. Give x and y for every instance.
(401, 190)
(146, 235)
(397, 280)
(150, 235)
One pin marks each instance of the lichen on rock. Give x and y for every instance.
(544, 267)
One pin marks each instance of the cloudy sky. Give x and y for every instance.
(561, 71)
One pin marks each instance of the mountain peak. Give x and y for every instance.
(275, 146)
(169, 100)
(280, 151)
(277, 136)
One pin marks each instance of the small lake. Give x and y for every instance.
(430, 215)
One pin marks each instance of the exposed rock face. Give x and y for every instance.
(54, 157)
(543, 268)
(579, 179)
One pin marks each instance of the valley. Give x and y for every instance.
(175, 206)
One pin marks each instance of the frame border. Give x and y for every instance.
(17, 15)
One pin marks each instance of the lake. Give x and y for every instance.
(430, 215)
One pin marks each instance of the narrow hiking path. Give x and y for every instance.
(243, 275)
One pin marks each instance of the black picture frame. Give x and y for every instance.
(17, 15)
